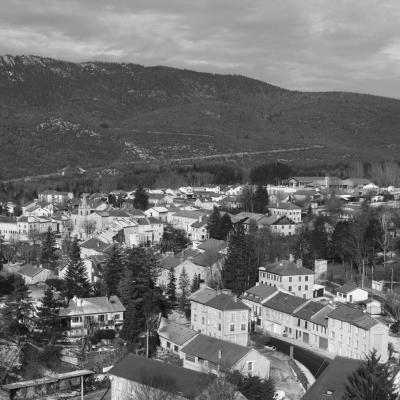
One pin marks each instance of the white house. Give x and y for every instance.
(350, 293)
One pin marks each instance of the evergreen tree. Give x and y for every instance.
(240, 269)
(174, 239)
(195, 283)
(371, 381)
(171, 288)
(141, 200)
(48, 256)
(74, 251)
(247, 199)
(48, 320)
(184, 286)
(113, 270)
(225, 226)
(126, 286)
(76, 281)
(213, 224)
(261, 200)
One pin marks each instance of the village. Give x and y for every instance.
(195, 291)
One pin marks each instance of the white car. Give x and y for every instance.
(279, 395)
(270, 348)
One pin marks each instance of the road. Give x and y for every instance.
(315, 363)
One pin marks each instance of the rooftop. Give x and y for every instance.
(309, 310)
(209, 348)
(176, 333)
(157, 374)
(353, 316)
(259, 292)
(213, 244)
(284, 302)
(286, 268)
(94, 244)
(92, 305)
(30, 270)
(347, 288)
(224, 302)
(203, 295)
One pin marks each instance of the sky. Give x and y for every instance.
(313, 45)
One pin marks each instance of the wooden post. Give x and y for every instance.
(82, 387)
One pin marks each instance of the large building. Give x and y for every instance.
(289, 276)
(220, 315)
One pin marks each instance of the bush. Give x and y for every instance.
(99, 335)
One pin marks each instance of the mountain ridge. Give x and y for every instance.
(93, 114)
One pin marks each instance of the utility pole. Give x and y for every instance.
(391, 281)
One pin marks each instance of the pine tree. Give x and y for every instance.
(141, 200)
(113, 270)
(195, 283)
(225, 226)
(371, 381)
(184, 286)
(76, 281)
(48, 320)
(126, 287)
(171, 288)
(213, 224)
(240, 269)
(261, 200)
(48, 256)
(74, 251)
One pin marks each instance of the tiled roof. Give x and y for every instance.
(286, 206)
(308, 310)
(195, 214)
(347, 288)
(93, 305)
(207, 258)
(321, 318)
(354, 316)
(203, 295)
(259, 292)
(209, 348)
(94, 244)
(284, 302)
(286, 268)
(198, 224)
(176, 333)
(153, 373)
(224, 302)
(29, 270)
(170, 261)
(213, 244)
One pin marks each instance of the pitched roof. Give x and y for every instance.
(347, 288)
(198, 224)
(225, 302)
(30, 270)
(284, 302)
(353, 316)
(154, 373)
(94, 244)
(286, 268)
(333, 380)
(321, 317)
(170, 261)
(207, 258)
(176, 333)
(195, 214)
(203, 295)
(209, 348)
(259, 292)
(92, 305)
(213, 244)
(286, 206)
(308, 310)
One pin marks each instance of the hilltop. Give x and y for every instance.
(55, 113)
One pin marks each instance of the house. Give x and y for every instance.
(221, 315)
(198, 231)
(93, 247)
(100, 312)
(288, 210)
(277, 312)
(33, 274)
(214, 356)
(174, 336)
(331, 384)
(140, 378)
(354, 333)
(213, 245)
(350, 293)
(185, 219)
(9, 228)
(37, 208)
(55, 197)
(160, 213)
(254, 298)
(280, 225)
(290, 276)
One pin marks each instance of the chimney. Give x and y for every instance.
(235, 299)
(276, 259)
(299, 263)
(291, 258)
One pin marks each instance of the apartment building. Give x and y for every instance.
(220, 315)
(288, 210)
(354, 333)
(290, 276)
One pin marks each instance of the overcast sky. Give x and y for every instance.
(351, 45)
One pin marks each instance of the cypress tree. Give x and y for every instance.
(141, 199)
(76, 281)
(213, 224)
(195, 283)
(261, 200)
(74, 251)
(225, 226)
(184, 286)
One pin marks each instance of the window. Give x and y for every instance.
(168, 345)
(332, 334)
(348, 341)
(340, 338)
(117, 316)
(299, 278)
(194, 317)
(76, 319)
(290, 279)
(176, 348)
(243, 327)
(232, 328)
(202, 320)
(219, 327)
(100, 318)
(299, 288)
(306, 287)
(290, 288)
(306, 278)
(250, 366)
